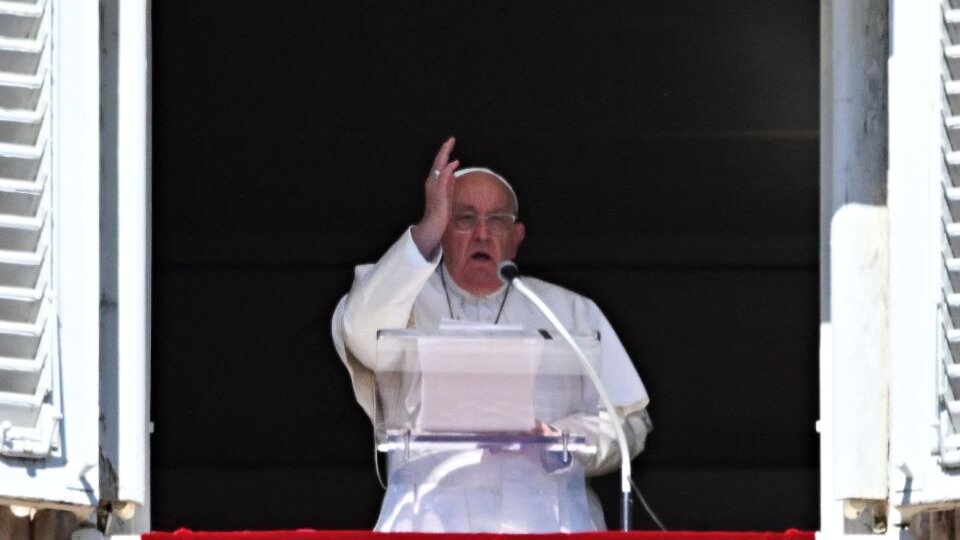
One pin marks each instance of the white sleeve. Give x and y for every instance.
(598, 428)
(382, 296)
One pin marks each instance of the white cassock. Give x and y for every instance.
(480, 490)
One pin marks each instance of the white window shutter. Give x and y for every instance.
(948, 370)
(29, 413)
(50, 98)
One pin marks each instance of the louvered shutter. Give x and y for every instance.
(948, 374)
(29, 413)
(949, 369)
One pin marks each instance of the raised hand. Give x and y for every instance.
(438, 201)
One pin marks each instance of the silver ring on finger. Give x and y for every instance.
(436, 174)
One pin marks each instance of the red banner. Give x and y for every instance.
(184, 534)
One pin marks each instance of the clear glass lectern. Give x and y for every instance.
(484, 431)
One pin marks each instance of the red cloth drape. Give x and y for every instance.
(184, 534)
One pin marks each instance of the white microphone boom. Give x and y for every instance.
(510, 273)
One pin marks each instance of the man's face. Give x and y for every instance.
(471, 256)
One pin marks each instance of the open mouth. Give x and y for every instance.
(481, 257)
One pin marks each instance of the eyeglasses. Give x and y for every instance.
(496, 223)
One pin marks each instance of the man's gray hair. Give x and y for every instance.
(514, 203)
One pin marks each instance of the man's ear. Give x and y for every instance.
(519, 231)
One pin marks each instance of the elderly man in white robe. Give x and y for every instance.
(446, 267)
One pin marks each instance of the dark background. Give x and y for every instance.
(666, 158)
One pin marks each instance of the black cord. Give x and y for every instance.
(443, 281)
(646, 506)
(503, 302)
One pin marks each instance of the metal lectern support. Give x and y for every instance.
(625, 513)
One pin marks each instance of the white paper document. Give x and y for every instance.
(477, 384)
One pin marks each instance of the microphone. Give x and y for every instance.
(511, 274)
(508, 271)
